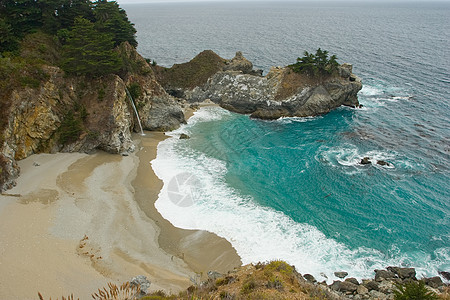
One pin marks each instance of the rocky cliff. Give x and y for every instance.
(281, 93)
(72, 114)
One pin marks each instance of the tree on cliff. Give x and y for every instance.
(8, 41)
(61, 14)
(110, 18)
(316, 64)
(88, 51)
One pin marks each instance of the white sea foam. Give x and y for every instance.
(289, 120)
(259, 233)
(375, 97)
(350, 156)
(368, 90)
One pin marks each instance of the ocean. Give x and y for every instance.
(293, 188)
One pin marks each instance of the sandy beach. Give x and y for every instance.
(75, 222)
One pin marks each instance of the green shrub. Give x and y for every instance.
(279, 266)
(275, 283)
(135, 90)
(414, 291)
(70, 128)
(248, 286)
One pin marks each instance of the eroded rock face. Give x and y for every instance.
(281, 93)
(77, 114)
(158, 110)
(37, 116)
(9, 171)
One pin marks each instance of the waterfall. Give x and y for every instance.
(135, 110)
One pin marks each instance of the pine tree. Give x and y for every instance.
(316, 64)
(89, 52)
(24, 16)
(8, 41)
(111, 18)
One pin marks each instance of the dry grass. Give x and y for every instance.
(126, 291)
(274, 280)
(191, 74)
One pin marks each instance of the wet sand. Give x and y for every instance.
(75, 222)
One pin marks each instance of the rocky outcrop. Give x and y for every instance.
(281, 93)
(278, 280)
(241, 64)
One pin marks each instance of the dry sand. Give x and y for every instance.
(77, 222)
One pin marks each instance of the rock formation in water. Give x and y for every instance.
(281, 93)
(236, 86)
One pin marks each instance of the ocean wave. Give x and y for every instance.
(260, 233)
(290, 120)
(373, 97)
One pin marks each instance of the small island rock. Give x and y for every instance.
(365, 161)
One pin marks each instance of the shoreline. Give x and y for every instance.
(79, 221)
(188, 245)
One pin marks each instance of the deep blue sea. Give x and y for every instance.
(293, 189)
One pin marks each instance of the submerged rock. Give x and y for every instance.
(365, 161)
(383, 163)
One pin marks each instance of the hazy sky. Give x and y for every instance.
(155, 1)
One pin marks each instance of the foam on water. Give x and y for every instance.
(274, 177)
(350, 156)
(261, 233)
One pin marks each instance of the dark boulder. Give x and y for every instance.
(365, 161)
(184, 136)
(310, 278)
(403, 273)
(352, 280)
(383, 274)
(372, 285)
(444, 274)
(344, 287)
(434, 282)
(383, 163)
(340, 274)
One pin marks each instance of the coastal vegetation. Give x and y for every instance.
(414, 291)
(191, 74)
(86, 32)
(316, 64)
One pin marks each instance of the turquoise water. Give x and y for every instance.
(293, 188)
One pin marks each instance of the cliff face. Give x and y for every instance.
(73, 114)
(281, 93)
